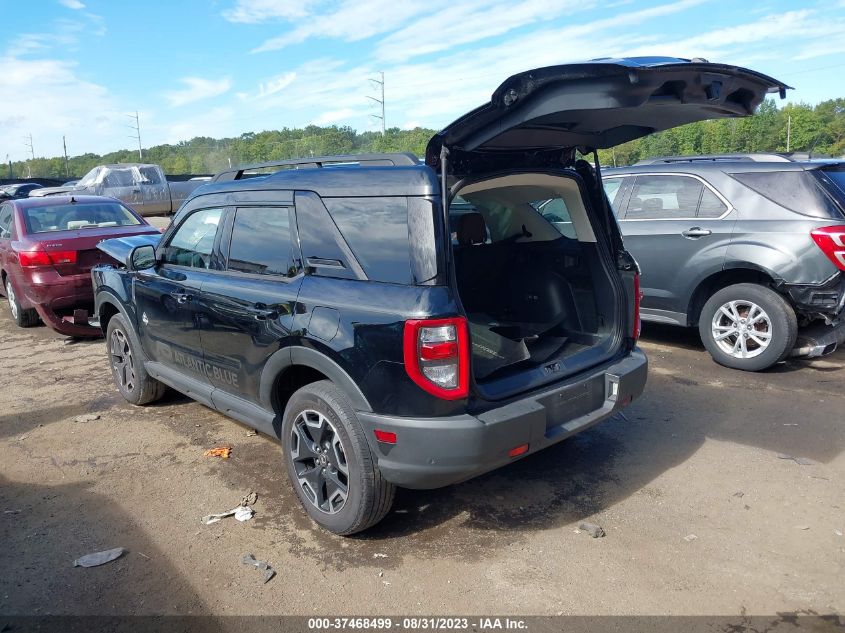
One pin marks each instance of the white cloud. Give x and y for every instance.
(353, 20)
(51, 101)
(197, 88)
(334, 116)
(256, 11)
(72, 4)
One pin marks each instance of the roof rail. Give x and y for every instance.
(315, 162)
(757, 158)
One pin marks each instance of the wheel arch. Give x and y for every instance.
(291, 368)
(731, 274)
(107, 306)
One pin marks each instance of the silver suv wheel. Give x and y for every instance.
(742, 329)
(320, 461)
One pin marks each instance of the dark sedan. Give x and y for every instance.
(47, 249)
(18, 190)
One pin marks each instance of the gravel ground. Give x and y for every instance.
(701, 514)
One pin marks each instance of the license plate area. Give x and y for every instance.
(574, 401)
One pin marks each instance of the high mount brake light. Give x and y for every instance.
(831, 240)
(436, 354)
(34, 259)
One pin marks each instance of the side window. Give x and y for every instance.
(612, 187)
(193, 241)
(5, 221)
(149, 176)
(261, 242)
(376, 230)
(556, 213)
(664, 198)
(711, 206)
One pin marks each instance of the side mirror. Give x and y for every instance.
(141, 257)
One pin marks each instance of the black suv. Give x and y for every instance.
(749, 248)
(404, 324)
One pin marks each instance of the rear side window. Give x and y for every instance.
(376, 229)
(261, 242)
(193, 241)
(5, 221)
(73, 217)
(612, 187)
(710, 205)
(797, 191)
(664, 198)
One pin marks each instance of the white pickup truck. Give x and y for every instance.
(143, 187)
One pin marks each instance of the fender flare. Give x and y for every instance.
(107, 296)
(305, 356)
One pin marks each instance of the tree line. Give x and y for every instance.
(819, 129)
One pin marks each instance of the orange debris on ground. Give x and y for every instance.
(218, 451)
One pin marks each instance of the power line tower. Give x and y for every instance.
(28, 139)
(379, 83)
(137, 128)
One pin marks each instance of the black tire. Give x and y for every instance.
(368, 495)
(126, 360)
(23, 318)
(780, 323)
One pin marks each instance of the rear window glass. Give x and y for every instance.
(376, 230)
(797, 191)
(836, 188)
(72, 217)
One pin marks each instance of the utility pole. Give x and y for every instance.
(788, 132)
(137, 128)
(64, 146)
(380, 83)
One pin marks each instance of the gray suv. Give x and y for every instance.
(749, 248)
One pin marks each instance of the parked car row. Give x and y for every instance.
(397, 324)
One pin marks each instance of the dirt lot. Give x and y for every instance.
(697, 455)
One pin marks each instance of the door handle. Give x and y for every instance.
(181, 296)
(261, 312)
(696, 231)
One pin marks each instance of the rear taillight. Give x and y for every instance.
(33, 259)
(638, 295)
(436, 355)
(831, 239)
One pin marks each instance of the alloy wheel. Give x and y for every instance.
(13, 304)
(121, 360)
(319, 461)
(741, 329)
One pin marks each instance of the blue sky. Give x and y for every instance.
(224, 67)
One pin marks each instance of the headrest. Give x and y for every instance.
(471, 229)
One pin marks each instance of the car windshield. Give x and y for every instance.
(89, 179)
(75, 216)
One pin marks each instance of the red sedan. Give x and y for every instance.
(47, 249)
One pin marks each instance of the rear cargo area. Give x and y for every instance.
(535, 289)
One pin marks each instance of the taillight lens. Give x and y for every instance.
(436, 355)
(33, 259)
(831, 239)
(638, 296)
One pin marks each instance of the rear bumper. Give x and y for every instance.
(436, 452)
(819, 340)
(825, 298)
(49, 294)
